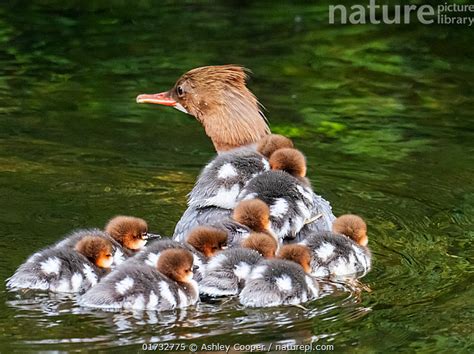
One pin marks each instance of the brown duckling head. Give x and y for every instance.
(129, 231)
(271, 143)
(207, 240)
(297, 253)
(96, 249)
(253, 213)
(263, 243)
(176, 264)
(352, 226)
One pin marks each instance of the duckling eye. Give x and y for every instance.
(180, 91)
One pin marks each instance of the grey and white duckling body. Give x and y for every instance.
(227, 272)
(342, 252)
(202, 241)
(135, 286)
(292, 202)
(248, 216)
(66, 270)
(215, 192)
(281, 281)
(128, 235)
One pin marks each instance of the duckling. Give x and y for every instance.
(203, 242)
(226, 272)
(135, 286)
(291, 161)
(128, 234)
(247, 217)
(281, 281)
(263, 243)
(66, 270)
(271, 143)
(220, 182)
(293, 204)
(214, 195)
(342, 252)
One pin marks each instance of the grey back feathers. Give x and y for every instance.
(139, 287)
(290, 201)
(215, 193)
(150, 255)
(227, 272)
(56, 270)
(223, 178)
(337, 255)
(278, 282)
(70, 241)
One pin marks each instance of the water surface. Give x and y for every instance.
(383, 114)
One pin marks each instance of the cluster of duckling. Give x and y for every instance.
(254, 228)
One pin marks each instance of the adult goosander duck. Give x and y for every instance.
(227, 271)
(343, 252)
(216, 190)
(282, 281)
(64, 269)
(128, 234)
(219, 99)
(136, 286)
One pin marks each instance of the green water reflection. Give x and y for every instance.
(383, 114)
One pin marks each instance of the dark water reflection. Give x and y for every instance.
(383, 114)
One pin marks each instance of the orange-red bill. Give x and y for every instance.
(162, 98)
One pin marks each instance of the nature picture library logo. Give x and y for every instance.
(443, 14)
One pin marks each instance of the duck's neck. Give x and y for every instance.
(236, 124)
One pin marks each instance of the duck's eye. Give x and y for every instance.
(180, 91)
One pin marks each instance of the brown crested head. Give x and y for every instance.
(176, 264)
(207, 240)
(264, 244)
(220, 100)
(352, 226)
(289, 160)
(253, 213)
(297, 253)
(96, 249)
(271, 143)
(129, 231)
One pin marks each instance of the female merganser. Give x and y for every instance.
(342, 252)
(64, 269)
(128, 234)
(227, 271)
(136, 286)
(281, 281)
(218, 98)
